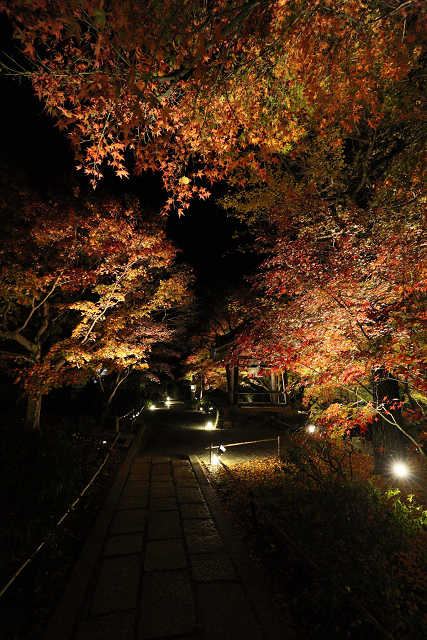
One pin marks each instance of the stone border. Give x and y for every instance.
(61, 625)
(270, 620)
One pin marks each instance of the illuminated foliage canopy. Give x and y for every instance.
(87, 286)
(203, 91)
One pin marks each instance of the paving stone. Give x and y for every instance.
(141, 467)
(165, 477)
(195, 510)
(167, 605)
(120, 545)
(226, 613)
(139, 475)
(201, 536)
(181, 463)
(183, 472)
(129, 521)
(163, 504)
(133, 502)
(161, 469)
(186, 483)
(160, 460)
(164, 555)
(117, 626)
(187, 495)
(163, 525)
(136, 488)
(212, 566)
(141, 458)
(162, 489)
(117, 584)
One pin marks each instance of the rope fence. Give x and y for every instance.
(33, 555)
(223, 447)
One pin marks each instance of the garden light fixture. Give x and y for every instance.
(216, 456)
(400, 469)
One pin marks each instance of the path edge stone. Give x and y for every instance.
(272, 623)
(62, 622)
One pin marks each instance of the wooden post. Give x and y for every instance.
(232, 383)
(285, 382)
(274, 388)
(278, 446)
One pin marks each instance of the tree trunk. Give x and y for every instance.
(120, 377)
(34, 405)
(388, 440)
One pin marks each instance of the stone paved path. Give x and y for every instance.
(164, 562)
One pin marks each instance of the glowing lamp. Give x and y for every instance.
(400, 469)
(311, 428)
(209, 425)
(216, 456)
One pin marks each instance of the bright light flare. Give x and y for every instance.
(400, 469)
(311, 428)
(209, 426)
(152, 407)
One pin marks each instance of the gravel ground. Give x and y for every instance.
(180, 432)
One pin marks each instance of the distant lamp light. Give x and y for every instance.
(193, 387)
(152, 407)
(400, 469)
(209, 425)
(168, 402)
(168, 399)
(311, 428)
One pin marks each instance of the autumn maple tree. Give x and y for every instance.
(343, 305)
(205, 91)
(88, 287)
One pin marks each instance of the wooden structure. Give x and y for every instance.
(222, 349)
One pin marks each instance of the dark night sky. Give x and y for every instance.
(30, 142)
